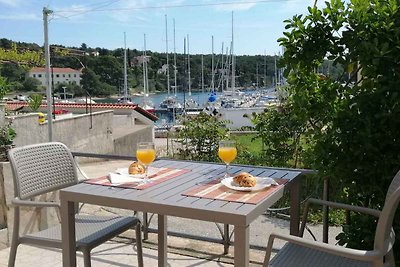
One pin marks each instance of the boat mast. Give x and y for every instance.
(166, 51)
(222, 67)
(257, 75)
(125, 73)
(212, 63)
(202, 74)
(265, 69)
(233, 61)
(189, 84)
(276, 73)
(175, 69)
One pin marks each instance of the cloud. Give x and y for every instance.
(10, 2)
(20, 17)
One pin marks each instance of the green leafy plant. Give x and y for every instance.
(34, 101)
(7, 135)
(350, 124)
(200, 136)
(3, 87)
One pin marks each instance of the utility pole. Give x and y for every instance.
(46, 13)
(212, 64)
(175, 69)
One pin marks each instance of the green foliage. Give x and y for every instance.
(350, 131)
(7, 135)
(31, 84)
(23, 57)
(34, 101)
(3, 87)
(200, 136)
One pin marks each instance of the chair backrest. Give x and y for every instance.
(384, 236)
(41, 168)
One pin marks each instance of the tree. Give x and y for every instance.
(3, 87)
(31, 84)
(350, 130)
(90, 81)
(34, 101)
(13, 72)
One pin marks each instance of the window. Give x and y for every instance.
(75, 75)
(39, 75)
(69, 75)
(34, 75)
(64, 75)
(57, 75)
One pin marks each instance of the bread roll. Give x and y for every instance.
(245, 179)
(136, 168)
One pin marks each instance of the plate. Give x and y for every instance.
(124, 171)
(262, 182)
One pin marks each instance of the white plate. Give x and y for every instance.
(262, 182)
(124, 171)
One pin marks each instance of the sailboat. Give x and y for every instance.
(125, 99)
(190, 103)
(170, 102)
(146, 104)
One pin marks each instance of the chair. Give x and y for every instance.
(46, 167)
(299, 252)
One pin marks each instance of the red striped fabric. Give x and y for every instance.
(217, 191)
(161, 175)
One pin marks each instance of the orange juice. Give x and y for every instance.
(227, 154)
(146, 156)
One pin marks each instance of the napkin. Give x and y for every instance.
(273, 182)
(116, 178)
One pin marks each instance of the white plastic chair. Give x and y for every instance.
(300, 252)
(46, 167)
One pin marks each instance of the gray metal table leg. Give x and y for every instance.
(226, 238)
(68, 233)
(145, 226)
(295, 207)
(242, 246)
(162, 241)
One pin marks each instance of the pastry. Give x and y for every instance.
(245, 179)
(136, 168)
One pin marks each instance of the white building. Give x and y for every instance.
(60, 75)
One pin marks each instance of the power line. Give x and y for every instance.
(171, 6)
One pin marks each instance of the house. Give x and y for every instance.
(60, 75)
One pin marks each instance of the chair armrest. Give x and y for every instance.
(368, 211)
(361, 255)
(38, 204)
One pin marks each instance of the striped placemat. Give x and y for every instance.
(160, 175)
(216, 190)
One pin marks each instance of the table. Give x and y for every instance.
(166, 199)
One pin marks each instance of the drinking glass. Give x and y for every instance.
(146, 154)
(227, 153)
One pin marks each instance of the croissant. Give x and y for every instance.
(136, 168)
(245, 179)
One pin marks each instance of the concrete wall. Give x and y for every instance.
(76, 132)
(235, 115)
(126, 145)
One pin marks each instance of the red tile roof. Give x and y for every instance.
(60, 70)
(147, 114)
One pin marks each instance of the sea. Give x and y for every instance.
(167, 117)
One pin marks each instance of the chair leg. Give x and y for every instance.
(14, 240)
(86, 258)
(145, 226)
(139, 246)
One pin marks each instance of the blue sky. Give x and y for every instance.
(257, 23)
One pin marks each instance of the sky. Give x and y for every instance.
(257, 24)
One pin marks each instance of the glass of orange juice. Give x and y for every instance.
(146, 154)
(227, 153)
